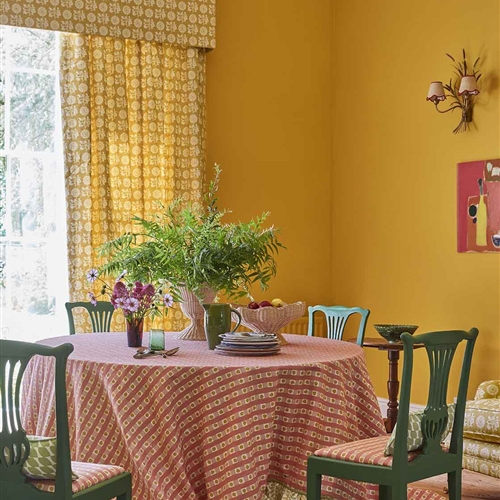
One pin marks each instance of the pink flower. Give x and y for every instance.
(133, 304)
(149, 290)
(120, 302)
(93, 299)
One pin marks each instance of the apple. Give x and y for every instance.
(277, 303)
(265, 303)
(253, 305)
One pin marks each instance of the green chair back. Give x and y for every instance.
(14, 357)
(336, 320)
(441, 348)
(14, 445)
(100, 315)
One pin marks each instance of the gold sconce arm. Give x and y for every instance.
(446, 110)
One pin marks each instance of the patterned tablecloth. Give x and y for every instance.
(199, 425)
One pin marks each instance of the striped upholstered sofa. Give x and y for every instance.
(482, 430)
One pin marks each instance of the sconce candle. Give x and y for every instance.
(461, 91)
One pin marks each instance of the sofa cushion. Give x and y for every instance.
(488, 390)
(482, 449)
(481, 465)
(482, 420)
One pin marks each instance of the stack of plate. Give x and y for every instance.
(248, 344)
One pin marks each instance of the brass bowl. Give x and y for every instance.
(392, 333)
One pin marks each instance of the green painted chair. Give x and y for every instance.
(100, 315)
(94, 482)
(366, 461)
(336, 320)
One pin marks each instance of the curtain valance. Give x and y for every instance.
(186, 23)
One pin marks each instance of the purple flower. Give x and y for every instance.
(93, 299)
(120, 290)
(138, 291)
(168, 300)
(92, 275)
(136, 299)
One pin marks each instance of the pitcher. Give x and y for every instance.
(218, 321)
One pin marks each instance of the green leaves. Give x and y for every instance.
(193, 247)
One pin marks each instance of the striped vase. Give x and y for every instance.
(191, 307)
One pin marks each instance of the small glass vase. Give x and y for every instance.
(134, 332)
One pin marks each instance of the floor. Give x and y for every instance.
(474, 486)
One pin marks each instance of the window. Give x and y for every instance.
(33, 257)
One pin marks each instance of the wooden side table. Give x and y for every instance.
(393, 349)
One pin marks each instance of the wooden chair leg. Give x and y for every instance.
(455, 485)
(398, 491)
(384, 492)
(313, 486)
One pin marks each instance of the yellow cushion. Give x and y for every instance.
(488, 390)
(482, 449)
(482, 420)
(481, 465)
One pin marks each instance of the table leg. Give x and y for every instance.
(393, 391)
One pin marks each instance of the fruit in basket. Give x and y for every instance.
(277, 303)
(265, 303)
(253, 305)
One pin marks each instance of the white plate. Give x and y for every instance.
(264, 353)
(248, 345)
(248, 336)
(246, 352)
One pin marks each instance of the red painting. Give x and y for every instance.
(478, 206)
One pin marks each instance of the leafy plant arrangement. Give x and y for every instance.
(192, 247)
(453, 87)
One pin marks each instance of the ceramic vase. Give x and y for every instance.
(192, 308)
(134, 332)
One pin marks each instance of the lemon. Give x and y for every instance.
(277, 302)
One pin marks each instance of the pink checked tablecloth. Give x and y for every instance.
(199, 425)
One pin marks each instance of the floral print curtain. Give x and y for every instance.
(134, 137)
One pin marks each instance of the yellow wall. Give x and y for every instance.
(269, 126)
(394, 170)
(317, 112)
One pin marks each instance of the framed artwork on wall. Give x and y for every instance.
(478, 206)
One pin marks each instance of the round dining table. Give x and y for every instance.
(199, 425)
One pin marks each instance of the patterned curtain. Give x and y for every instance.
(134, 135)
(178, 22)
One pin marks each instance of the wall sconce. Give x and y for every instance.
(461, 91)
